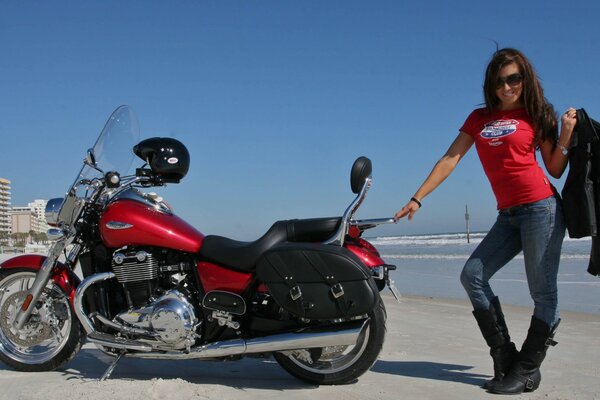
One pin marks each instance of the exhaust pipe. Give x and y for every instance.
(344, 334)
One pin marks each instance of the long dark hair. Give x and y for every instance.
(538, 108)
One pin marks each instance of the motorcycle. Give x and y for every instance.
(307, 292)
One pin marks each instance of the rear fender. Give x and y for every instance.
(366, 252)
(63, 276)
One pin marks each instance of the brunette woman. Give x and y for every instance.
(516, 121)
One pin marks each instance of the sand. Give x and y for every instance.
(433, 350)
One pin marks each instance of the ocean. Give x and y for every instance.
(430, 265)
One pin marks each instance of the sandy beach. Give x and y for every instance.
(433, 350)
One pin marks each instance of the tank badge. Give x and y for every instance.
(116, 225)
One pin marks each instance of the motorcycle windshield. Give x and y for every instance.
(112, 152)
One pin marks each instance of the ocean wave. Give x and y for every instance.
(593, 284)
(465, 257)
(451, 239)
(425, 256)
(428, 240)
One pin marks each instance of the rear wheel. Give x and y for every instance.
(50, 338)
(338, 364)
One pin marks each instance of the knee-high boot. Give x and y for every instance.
(495, 332)
(524, 374)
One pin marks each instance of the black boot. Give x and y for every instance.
(524, 375)
(495, 332)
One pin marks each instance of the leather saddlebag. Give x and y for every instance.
(318, 281)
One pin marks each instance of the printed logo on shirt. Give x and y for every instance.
(499, 128)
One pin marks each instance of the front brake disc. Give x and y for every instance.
(33, 333)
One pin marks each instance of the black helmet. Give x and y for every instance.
(167, 157)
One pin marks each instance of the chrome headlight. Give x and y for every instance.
(52, 208)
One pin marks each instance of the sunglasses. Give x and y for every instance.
(512, 80)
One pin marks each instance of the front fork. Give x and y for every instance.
(42, 277)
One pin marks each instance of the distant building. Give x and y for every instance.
(26, 219)
(5, 217)
(39, 209)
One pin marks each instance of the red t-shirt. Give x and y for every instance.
(504, 143)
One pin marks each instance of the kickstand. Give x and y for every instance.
(112, 366)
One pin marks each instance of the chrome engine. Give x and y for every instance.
(155, 314)
(170, 319)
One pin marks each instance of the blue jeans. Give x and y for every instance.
(538, 230)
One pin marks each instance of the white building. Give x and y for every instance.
(39, 209)
(5, 217)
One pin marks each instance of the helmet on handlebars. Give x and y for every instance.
(167, 157)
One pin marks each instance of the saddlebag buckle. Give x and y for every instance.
(337, 290)
(295, 293)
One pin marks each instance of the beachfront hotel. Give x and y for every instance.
(30, 218)
(38, 207)
(20, 219)
(5, 216)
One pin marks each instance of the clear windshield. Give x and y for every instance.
(112, 152)
(113, 148)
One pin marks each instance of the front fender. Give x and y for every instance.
(63, 276)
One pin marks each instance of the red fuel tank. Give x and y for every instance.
(129, 222)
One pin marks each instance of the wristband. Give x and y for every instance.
(416, 201)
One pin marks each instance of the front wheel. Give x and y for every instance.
(338, 364)
(51, 337)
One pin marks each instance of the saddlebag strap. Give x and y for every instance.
(336, 288)
(286, 277)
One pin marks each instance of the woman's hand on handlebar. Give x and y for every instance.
(409, 209)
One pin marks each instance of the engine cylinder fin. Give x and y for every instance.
(132, 270)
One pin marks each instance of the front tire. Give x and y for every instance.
(341, 364)
(51, 337)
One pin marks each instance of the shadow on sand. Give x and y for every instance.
(255, 373)
(430, 370)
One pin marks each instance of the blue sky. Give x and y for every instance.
(275, 99)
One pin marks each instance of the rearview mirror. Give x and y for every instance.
(90, 159)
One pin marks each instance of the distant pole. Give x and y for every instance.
(467, 221)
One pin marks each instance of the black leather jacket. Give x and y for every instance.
(581, 193)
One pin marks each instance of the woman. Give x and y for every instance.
(516, 120)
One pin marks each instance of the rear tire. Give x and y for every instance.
(51, 337)
(330, 366)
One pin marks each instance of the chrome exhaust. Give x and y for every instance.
(343, 334)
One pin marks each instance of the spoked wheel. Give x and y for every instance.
(336, 365)
(50, 338)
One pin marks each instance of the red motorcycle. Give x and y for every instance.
(306, 292)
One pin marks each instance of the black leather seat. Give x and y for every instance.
(243, 256)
